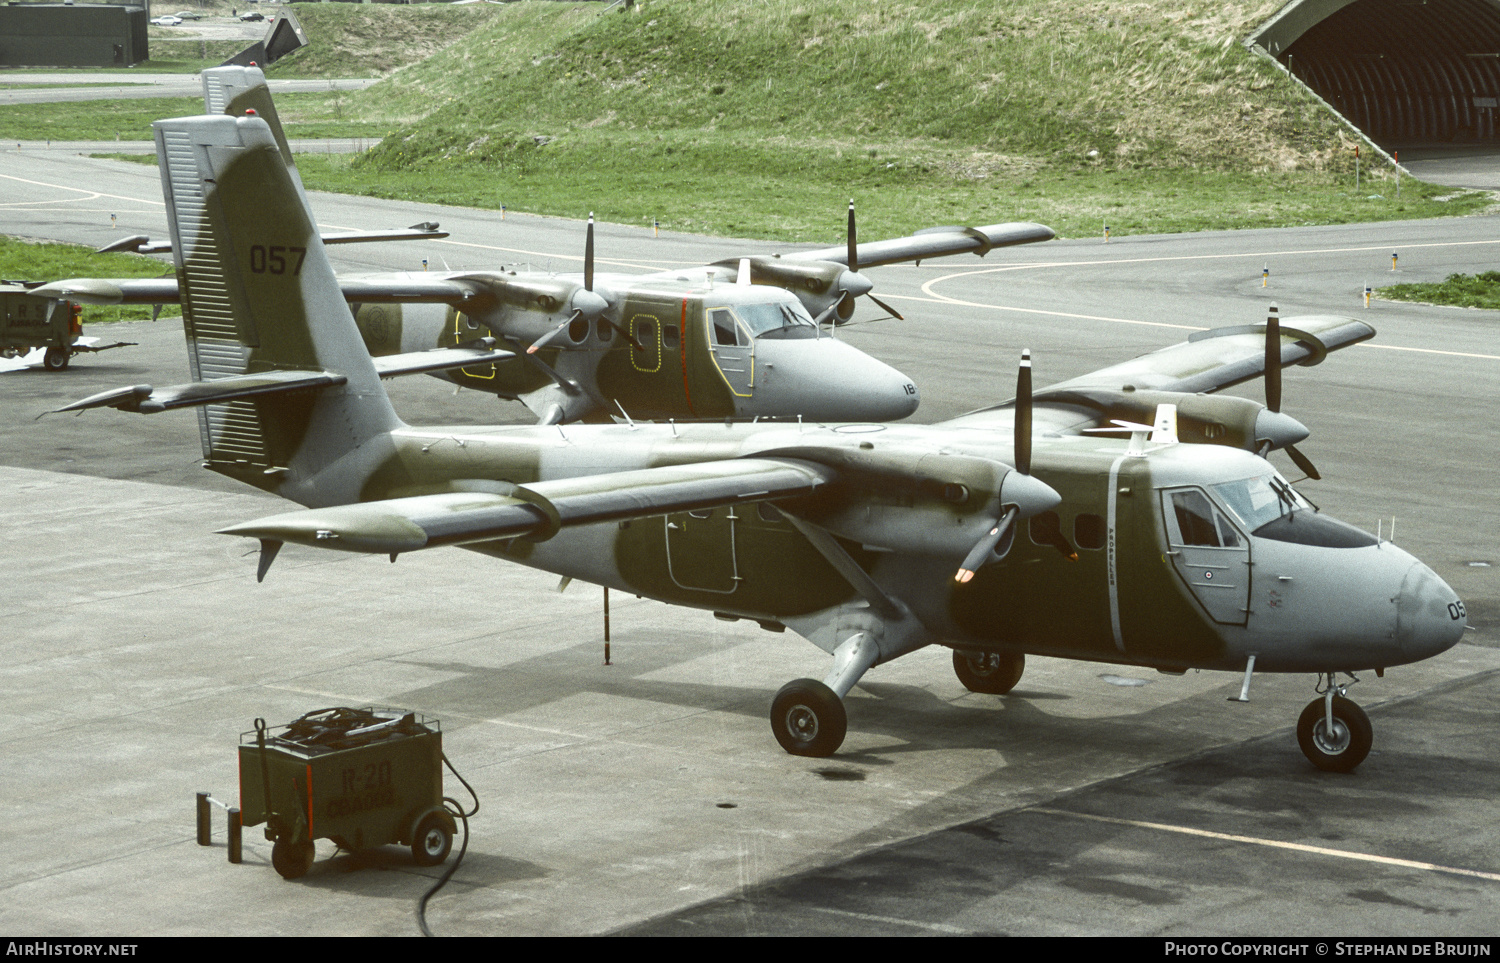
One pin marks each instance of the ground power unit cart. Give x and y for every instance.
(360, 777)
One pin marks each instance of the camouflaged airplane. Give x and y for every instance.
(741, 338)
(1025, 528)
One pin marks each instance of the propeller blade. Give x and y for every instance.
(588, 256)
(1023, 415)
(888, 309)
(976, 557)
(541, 342)
(853, 244)
(625, 334)
(1304, 463)
(1273, 360)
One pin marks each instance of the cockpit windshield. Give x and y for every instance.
(787, 319)
(1256, 501)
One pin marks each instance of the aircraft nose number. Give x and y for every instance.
(1456, 611)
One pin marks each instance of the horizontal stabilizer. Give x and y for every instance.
(933, 242)
(149, 400)
(441, 359)
(536, 511)
(142, 244)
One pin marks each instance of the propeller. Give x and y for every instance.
(586, 304)
(852, 283)
(1272, 428)
(1020, 494)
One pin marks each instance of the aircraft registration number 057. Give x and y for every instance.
(272, 260)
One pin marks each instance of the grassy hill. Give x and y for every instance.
(762, 117)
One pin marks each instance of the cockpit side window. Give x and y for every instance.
(725, 332)
(1195, 519)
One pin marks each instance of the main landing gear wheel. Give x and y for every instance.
(292, 860)
(994, 673)
(808, 718)
(1341, 748)
(55, 359)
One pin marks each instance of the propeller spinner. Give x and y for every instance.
(585, 303)
(1021, 495)
(1272, 428)
(852, 283)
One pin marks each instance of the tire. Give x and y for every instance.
(292, 860)
(1343, 749)
(433, 840)
(808, 718)
(56, 359)
(993, 673)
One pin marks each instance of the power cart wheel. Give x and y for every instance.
(993, 673)
(292, 860)
(433, 840)
(1341, 747)
(808, 718)
(56, 359)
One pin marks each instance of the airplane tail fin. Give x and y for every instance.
(242, 92)
(260, 298)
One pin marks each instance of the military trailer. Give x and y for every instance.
(360, 777)
(29, 321)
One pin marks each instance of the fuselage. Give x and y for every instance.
(697, 348)
(1188, 556)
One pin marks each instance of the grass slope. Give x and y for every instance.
(24, 260)
(1459, 290)
(762, 117)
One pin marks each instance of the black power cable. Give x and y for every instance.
(453, 807)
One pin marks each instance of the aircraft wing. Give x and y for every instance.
(392, 289)
(932, 242)
(1220, 358)
(537, 510)
(1209, 361)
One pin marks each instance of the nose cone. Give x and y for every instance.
(1279, 429)
(826, 379)
(1430, 617)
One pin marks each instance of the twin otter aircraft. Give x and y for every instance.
(741, 338)
(1174, 548)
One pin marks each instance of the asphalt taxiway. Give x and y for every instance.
(647, 796)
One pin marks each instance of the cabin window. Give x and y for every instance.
(767, 512)
(724, 327)
(1045, 529)
(669, 335)
(604, 331)
(1088, 531)
(645, 331)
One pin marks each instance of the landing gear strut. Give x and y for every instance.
(1334, 733)
(994, 673)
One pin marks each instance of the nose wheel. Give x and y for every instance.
(1336, 744)
(808, 718)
